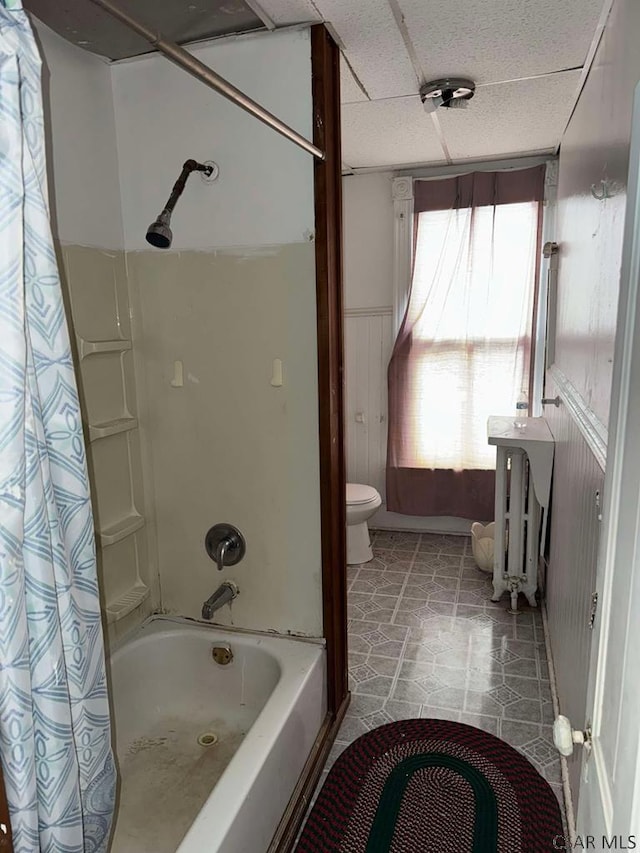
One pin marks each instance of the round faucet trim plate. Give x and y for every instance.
(225, 545)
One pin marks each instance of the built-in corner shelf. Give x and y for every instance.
(87, 348)
(113, 427)
(120, 530)
(128, 602)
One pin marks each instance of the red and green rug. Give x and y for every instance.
(432, 786)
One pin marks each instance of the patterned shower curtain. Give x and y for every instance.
(55, 740)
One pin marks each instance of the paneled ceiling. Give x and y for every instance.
(526, 57)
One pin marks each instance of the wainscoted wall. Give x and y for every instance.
(575, 535)
(593, 158)
(368, 345)
(227, 446)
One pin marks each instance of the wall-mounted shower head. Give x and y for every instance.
(159, 233)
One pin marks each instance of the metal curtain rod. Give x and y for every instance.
(206, 75)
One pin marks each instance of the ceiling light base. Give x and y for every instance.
(448, 92)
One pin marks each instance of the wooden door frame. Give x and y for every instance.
(325, 71)
(325, 74)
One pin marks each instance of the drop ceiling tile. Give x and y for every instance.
(494, 41)
(286, 12)
(389, 133)
(350, 92)
(511, 118)
(373, 45)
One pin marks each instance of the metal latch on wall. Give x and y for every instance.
(594, 607)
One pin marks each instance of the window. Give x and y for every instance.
(463, 352)
(471, 311)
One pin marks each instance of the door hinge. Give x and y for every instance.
(598, 505)
(594, 607)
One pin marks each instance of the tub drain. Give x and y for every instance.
(207, 739)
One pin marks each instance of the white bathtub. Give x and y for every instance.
(266, 708)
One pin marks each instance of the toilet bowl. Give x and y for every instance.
(362, 502)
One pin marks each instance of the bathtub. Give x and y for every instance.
(208, 754)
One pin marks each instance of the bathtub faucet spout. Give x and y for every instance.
(225, 593)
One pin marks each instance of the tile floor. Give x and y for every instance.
(425, 640)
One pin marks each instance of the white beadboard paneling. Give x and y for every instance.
(575, 532)
(492, 41)
(368, 344)
(510, 118)
(387, 133)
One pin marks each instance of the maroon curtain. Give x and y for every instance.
(427, 491)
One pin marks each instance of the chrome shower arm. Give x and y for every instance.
(178, 188)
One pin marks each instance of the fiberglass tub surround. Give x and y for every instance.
(199, 743)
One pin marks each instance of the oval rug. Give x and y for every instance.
(432, 786)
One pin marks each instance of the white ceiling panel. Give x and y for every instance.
(388, 133)
(492, 41)
(350, 92)
(373, 44)
(286, 12)
(511, 118)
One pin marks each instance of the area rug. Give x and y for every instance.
(432, 786)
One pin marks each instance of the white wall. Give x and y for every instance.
(595, 147)
(237, 292)
(264, 194)
(367, 240)
(81, 136)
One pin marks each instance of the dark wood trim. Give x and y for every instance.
(6, 842)
(287, 832)
(325, 73)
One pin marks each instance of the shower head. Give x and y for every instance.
(158, 233)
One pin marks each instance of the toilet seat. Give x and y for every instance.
(358, 494)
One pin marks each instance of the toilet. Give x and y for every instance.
(362, 502)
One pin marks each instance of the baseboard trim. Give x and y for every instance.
(593, 431)
(287, 832)
(564, 770)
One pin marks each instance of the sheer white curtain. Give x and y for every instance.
(471, 308)
(464, 348)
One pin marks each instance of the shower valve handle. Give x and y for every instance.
(225, 545)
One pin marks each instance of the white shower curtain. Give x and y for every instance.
(55, 741)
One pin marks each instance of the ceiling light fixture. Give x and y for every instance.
(449, 92)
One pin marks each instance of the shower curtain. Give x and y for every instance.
(55, 741)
